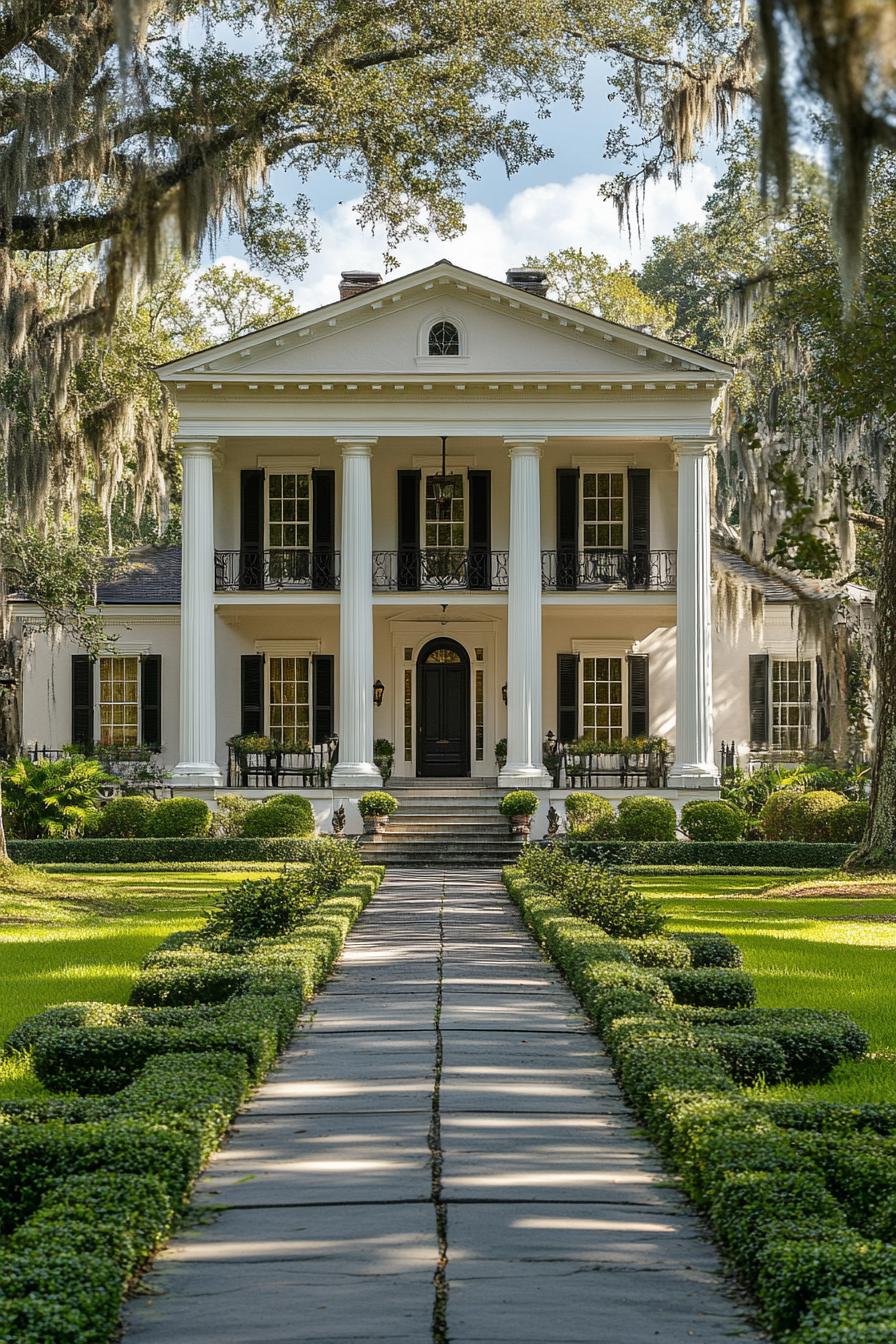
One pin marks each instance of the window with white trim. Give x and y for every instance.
(119, 700)
(791, 703)
(603, 510)
(444, 520)
(289, 699)
(444, 339)
(602, 698)
(289, 523)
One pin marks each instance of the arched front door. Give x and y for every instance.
(443, 709)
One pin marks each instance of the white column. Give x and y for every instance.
(355, 769)
(694, 755)
(196, 763)
(524, 768)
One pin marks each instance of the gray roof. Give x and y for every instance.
(149, 575)
(759, 579)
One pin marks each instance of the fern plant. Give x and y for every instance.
(51, 798)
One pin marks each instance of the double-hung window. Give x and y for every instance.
(290, 699)
(444, 529)
(119, 700)
(603, 511)
(791, 702)
(289, 525)
(602, 701)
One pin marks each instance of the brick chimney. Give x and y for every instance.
(358, 282)
(532, 281)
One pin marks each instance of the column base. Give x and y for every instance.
(524, 777)
(694, 777)
(356, 775)
(196, 775)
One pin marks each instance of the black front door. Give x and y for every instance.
(443, 710)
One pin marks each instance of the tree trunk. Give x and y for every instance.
(4, 852)
(878, 847)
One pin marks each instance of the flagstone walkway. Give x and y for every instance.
(443, 1155)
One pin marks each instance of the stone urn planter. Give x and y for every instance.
(376, 807)
(519, 806)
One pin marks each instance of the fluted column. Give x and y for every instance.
(524, 768)
(694, 755)
(355, 768)
(196, 761)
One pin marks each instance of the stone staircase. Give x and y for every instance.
(451, 823)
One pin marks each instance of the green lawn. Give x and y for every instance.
(804, 952)
(82, 933)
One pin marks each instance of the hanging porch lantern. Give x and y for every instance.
(442, 484)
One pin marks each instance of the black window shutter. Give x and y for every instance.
(638, 695)
(409, 529)
(323, 533)
(322, 676)
(82, 700)
(567, 697)
(567, 527)
(252, 693)
(823, 702)
(479, 560)
(759, 692)
(639, 526)
(151, 700)
(251, 529)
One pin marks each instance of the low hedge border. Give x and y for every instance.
(800, 1195)
(700, 853)
(176, 849)
(90, 1185)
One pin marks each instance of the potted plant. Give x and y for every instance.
(501, 753)
(384, 757)
(253, 751)
(519, 806)
(376, 807)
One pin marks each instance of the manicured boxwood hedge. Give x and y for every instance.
(176, 849)
(720, 853)
(91, 1184)
(800, 1195)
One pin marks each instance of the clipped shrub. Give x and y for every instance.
(711, 987)
(653, 951)
(646, 818)
(850, 1317)
(711, 949)
(266, 907)
(127, 816)
(811, 817)
(711, 820)
(591, 815)
(377, 803)
(518, 803)
(279, 817)
(229, 814)
(775, 819)
(847, 824)
(180, 817)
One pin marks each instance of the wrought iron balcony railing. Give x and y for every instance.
(411, 570)
(567, 571)
(257, 570)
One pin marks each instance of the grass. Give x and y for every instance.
(82, 933)
(832, 951)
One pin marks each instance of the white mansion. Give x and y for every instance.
(442, 510)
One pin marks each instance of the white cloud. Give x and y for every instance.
(534, 221)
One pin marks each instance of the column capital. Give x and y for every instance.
(697, 447)
(196, 445)
(523, 445)
(356, 445)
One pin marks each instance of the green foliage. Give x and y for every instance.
(587, 280)
(850, 1316)
(596, 894)
(233, 301)
(279, 816)
(646, 818)
(776, 817)
(811, 817)
(590, 815)
(711, 987)
(266, 907)
(709, 854)
(711, 820)
(179, 817)
(51, 798)
(519, 803)
(847, 824)
(151, 849)
(126, 816)
(377, 803)
(711, 949)
(230, 813)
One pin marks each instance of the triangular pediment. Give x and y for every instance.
(502, 331)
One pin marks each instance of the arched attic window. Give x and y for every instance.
(444, 339)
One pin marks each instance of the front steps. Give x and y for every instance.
(444, 823)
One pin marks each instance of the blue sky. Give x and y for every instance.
(546, 206)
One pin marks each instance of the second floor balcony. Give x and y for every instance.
(444, 569)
